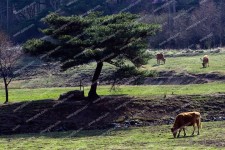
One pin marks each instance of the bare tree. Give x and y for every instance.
(9, 56)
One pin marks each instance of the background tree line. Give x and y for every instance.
(181, 20)
(199, 26)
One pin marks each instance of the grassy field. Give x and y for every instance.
(155, 137)
(150, 90)
(152, 137)
(191, 64)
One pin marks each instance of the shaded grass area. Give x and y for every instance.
(153, 137)
(191, 64)
(16, 95)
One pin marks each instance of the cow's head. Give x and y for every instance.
(174, 132)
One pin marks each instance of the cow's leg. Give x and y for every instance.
(193, 130)
(198, 124)
(198, 130)
(184, 132)
(179, 133)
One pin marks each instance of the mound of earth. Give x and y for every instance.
(111, 111)
(174, 81)
(170, 78)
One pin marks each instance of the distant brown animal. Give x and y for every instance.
(186, 119)
(205, 61)
(160, 57)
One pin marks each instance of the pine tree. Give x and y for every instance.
(103, 39)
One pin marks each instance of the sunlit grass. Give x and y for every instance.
(16, 95)
(191, 64)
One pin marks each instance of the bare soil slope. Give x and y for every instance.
(111, 111)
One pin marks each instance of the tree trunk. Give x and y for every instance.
(92, 93)
(6, 92)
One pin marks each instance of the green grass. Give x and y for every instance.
(16, 95)
(153, 137)
(191, 64)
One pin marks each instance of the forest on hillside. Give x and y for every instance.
(185, 23)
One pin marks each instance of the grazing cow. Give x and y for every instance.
(205, 61)
(186, 119)
(159, 57)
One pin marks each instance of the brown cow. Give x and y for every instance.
(186, 119)
(159, 57)
(205, 61)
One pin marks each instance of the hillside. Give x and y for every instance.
(39, 74)
(176, 19)
(107, 112)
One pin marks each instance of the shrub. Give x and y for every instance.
(129, 71)
(150, 73)
(37, 46)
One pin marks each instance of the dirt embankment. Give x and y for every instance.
(172, 78)
(111, 111)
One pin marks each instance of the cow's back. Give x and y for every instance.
(187, 118)
(205, 59)
(159, 56)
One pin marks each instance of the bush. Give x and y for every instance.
(150, 73)
(37, 46)
(129, 71)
